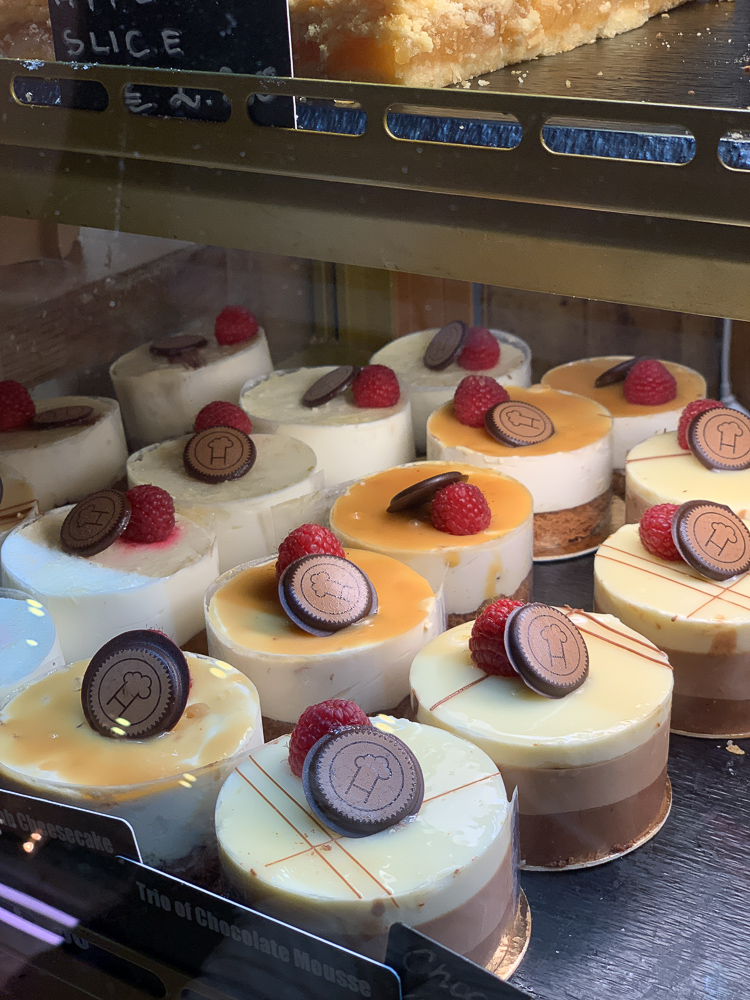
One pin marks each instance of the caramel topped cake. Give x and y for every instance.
(433, 44)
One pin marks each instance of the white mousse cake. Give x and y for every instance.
(65, 463)
(165, 786)
(240, 511)
(702, 625)
(660, 471)
(160, 395)
(126, 586)
(349, 441)
(569, 474)
(367, 662)
(632, 422)
(471, 569)
(447, 871)
(29, 646)
(428, 388)
(590, 767)
(17, 502)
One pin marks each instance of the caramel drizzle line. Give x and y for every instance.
(299, 833)
(458, 788)
(651, 458)
(337, 842)
(650, 562)
(621, 645)
(611, 628)
(720, 595)
(460, 691)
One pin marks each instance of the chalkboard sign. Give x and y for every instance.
(230, 36)
(429, 972)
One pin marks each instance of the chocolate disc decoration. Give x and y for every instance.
(423, 491)
(445, 346)
(360, 781)
(95, 523)
(712, 539)
(173, 347)
(330, 385)
(720, 439)
(546, 649)
(219, 454)
(323, 593)
(136, 686)
(518, 424)
(61, 416)
(616, 373)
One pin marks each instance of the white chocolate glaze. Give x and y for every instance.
(659, 471)
(349, 441)
(620, 706)
(429, 389)
(65, 464)
(240, 511)
(160, 399)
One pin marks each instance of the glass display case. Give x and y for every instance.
(427, 401)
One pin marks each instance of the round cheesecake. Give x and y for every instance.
(160, 398)
(568, 475)
(591, 767)
(18, 502)
(367, 662)
(471, 569)
(659, 471)
(632, 422)
(240, 511)
(165, 786)
(65, 464)
(127, 586)
(29, 645)
(446, 871)
(349, 441)
(702, 625)
(427, 388)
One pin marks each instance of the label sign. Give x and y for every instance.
(430, 972)
(40, 821)
(229, 36)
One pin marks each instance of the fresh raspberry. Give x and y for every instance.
(151, 515)
(481, 350)
(474, 395)
(304, 541)
(221, 414)
(690, 411)
(235, 324)
(460, 509)
(317, 721)
(655, 530)
(16, 405)
(487, 642)
(376, 385)
(649, 383)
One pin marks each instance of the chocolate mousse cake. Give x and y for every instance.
(603, 380)
(151, 745)
(356, 421)
(265, 632)
(558, 445)
(701, 624)
(472, 569)
(579, 724)
(163, 384)
(431, 363)
(426, 840)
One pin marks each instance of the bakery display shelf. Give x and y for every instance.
(540, 214)
(664, 920)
